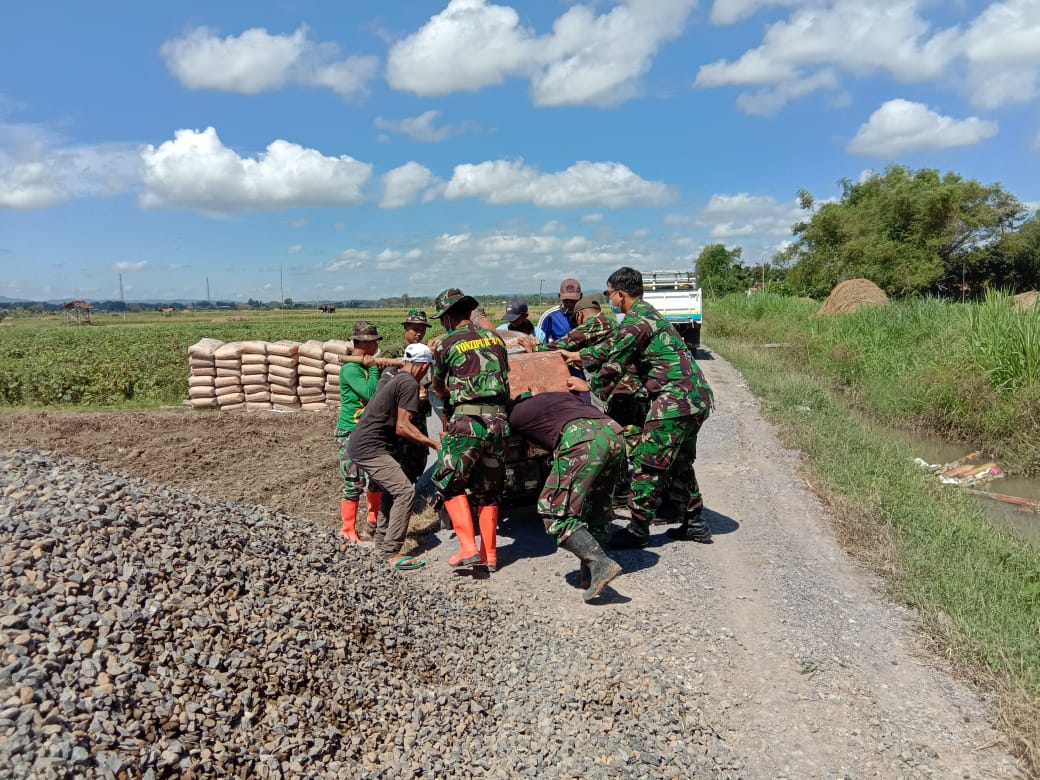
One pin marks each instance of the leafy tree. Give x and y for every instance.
(719, 270)
(288, 303)
(907, 231)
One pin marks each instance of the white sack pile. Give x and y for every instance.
(261, 375)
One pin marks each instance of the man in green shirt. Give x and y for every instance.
(357, 385)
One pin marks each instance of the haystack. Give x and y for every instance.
(850, 295)
(1027, 300)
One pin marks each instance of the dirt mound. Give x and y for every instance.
(850, 295)
(1027, 300)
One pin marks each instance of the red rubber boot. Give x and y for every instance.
(488, 521)
(375, 498)
(348, 513)
(462, 521)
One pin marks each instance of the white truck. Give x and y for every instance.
(676, 295)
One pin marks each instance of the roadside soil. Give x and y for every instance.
(817, 673)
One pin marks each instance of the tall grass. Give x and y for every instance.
(1005, 341)
(966, 371)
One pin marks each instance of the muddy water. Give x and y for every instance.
(1025, 523)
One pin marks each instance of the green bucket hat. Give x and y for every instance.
(365, 331)
(450, 298)
(416, 317)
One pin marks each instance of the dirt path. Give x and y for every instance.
(817, 674)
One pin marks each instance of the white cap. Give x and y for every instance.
(418, 353)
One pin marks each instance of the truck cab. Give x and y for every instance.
(678, 297)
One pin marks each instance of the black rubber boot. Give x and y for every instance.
(635, 537)
(601, 568)
(694, 528)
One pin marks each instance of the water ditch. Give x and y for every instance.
(1023, 522)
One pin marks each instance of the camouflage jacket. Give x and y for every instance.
(662, 362)
(472, 364)
(597, 330)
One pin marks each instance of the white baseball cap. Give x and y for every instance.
(418, 353)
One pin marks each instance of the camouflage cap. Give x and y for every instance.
(588, 302)
(365, 331)
(450, 298)
(416, 317)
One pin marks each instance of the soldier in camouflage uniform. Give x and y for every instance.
(680, 402)
(627, 402)
(471, 373)
(588, 454)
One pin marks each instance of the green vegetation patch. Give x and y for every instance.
(146, 365)
(966, 371)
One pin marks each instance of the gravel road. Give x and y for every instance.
(769, 653)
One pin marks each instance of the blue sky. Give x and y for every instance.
(330, 150)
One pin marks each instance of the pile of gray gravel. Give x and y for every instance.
(151, 632)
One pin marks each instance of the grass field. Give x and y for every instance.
(140, 360)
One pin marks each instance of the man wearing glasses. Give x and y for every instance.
(680, 402)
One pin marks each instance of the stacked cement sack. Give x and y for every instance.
(255, 386)
(310, 386)
(260, 375)
(228, 382)
(282, 373)
(203, 371)
(333, 351)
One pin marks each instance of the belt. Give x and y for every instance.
(480, 409)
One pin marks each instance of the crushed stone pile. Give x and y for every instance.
(850, 295)
(149, 632)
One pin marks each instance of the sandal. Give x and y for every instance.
(408, 563)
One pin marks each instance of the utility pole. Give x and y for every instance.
(122, 300)
(540, 283)
(281, 287)
(208, 301)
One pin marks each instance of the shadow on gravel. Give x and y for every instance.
(720, 524)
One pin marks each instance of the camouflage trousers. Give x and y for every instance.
(663, 457)
(355, 481)
(586, 464)
(471, 457)
(628, 410)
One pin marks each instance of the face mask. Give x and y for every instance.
(615, 309)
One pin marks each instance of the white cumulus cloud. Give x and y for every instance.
(196, 171)
(587, 59)
(1002, 49)
(732, 11)
(901, 126)
(295, 249)
(742, 215)
(402, 185)
(421, 128)
(128, 265)
(257, 61)
(994, 57)
(887, 36)
(583, 185)
(39, 169)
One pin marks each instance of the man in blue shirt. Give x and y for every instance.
(516, 319)
(558, 321)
